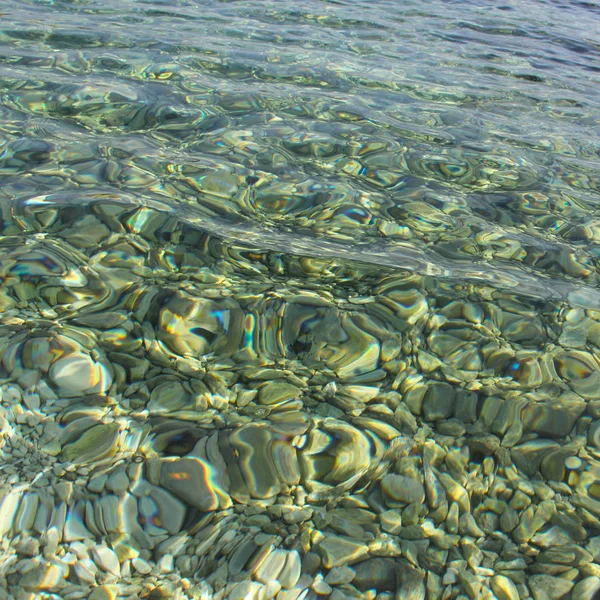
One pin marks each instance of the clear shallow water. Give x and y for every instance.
(325, 273)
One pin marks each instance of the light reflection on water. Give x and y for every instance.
(300, 300)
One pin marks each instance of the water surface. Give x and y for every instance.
(302, 296)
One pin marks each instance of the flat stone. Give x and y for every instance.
(171, 511)
(552, 419)
(96, 484)
(277, 392)
(271, 589)
(118, 482)
(385, 545)
(391, 521)
(63, 490)
(241, 555)
(528, 456)
(411, 514)
(25, 517)
(246, 590)
(97, 442)
(584, 589)
(565, 554)
(509, 519)
(456, 492)
(191, 480)
(411, 584)
(319, 586)
(106, 559)
(413, 532)
(86, 570)
(544, 587)
(593, 546)
(465, 406)
(434, 585)
(438, 402)
(452, 518)
(403, 489)
(291, 571)
(532, 521)
(470, 584)
(340, 575)
(271, 567)
(49, 577)
(104, 592)
(28, 546)
(141, 566)
(379, 574)
(8, 509)
(165, 564)
(337, 551)
(311, 564)
(74, 528)
(346, 527)
(520, 501)
(451, 428)
(467, 525)
(77, 373)
(485, 444)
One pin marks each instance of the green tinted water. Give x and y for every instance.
(300, 300)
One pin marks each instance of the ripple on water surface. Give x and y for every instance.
(299, 301)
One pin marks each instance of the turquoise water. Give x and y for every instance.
(300, 300)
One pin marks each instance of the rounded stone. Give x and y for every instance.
(141, 566)
(376, 573)
(319, 586)
(104, 592)
(245, 590)
(193, 481)
(504, 588)
(78, 374)
(403, 489)
(573, 463)
(594, 434)
(438, 402)
(167, 397)
(586, 588)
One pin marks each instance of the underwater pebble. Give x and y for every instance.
(141, 566)
(337, 551)
(403, 489)
(104, 592)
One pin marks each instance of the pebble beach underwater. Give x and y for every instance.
(300, 299)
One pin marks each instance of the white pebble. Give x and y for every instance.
(104, 592)
(106, 559)
(165, 564)
(245, 590)
(86, 570)
(141, 566)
